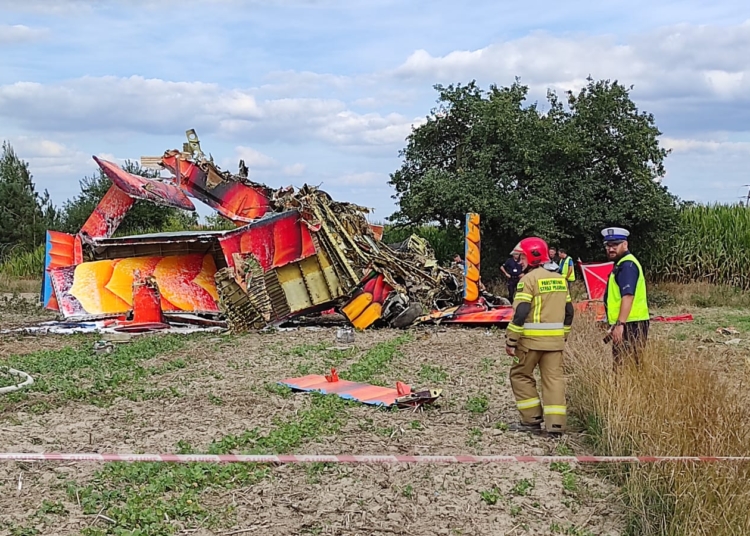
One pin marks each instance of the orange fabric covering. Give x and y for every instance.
(361, 392)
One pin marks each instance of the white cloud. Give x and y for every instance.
(19, 33)
(66, 7)
(31, 147)
(709, 62)
(304, 82)
(295, 170)
(255, 159)
(74, 7)
(678, 145)
(149, 106)
(49, 158)
(362, 179)
(367, 102)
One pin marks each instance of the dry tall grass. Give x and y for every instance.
(674, 405)
(13, 285)
(697, 295)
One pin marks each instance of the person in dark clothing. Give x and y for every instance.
(512, 270)
(553, 256)
(458, 262)
(625, 299)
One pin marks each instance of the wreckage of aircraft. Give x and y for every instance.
(292, 253)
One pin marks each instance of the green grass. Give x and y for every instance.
(377, 359)
(308, 355)
(490, 496)
(569, 530)
(523, 487)
(570, 482)
(155, 499)
(6, 380)
(283, 391)
(432, 374)
(703, 328)
(560, 467)
(475, 437)
(40, 516)
(478, 404)
(76, 372)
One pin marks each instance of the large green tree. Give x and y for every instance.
(143, 217)
(562, 172)
(25, 214)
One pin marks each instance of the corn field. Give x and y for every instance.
(712, 246)
(24, 264)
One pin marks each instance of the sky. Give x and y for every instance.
(325, 92)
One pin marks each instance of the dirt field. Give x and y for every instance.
(219, 394)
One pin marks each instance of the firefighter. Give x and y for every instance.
(566, 267)
(542, 317)
(625, 298)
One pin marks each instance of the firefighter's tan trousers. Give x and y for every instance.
(553, 387)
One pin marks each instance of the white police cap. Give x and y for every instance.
(612, 234)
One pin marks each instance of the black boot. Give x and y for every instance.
(532, 427)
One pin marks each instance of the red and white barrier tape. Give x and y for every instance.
(371, 459)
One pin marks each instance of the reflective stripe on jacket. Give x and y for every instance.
(544, 329)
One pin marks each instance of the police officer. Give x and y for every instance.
(625, 298)
(542, 317)
(512, 271)
(566, 267)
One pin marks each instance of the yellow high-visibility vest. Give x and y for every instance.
(639, 311)
(568, 271)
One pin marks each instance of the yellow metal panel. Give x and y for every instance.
(290, 279)
(330, 274)
(316, 283)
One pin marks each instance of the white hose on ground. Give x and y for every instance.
(19, 374)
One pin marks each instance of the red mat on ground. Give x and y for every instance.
(671, 319)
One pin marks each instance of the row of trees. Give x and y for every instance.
(26, 214)
(563, 171)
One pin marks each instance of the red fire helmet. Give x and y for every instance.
(535, 249)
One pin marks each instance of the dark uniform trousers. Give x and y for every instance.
(512, 286)
(634, 338)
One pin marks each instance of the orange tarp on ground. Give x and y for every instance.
(361, 392)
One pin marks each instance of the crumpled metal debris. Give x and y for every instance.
(348, 252)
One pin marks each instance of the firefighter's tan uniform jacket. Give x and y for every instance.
(547, 324)
(543, 314)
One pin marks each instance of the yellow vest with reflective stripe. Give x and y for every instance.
(568, 272)
(639, 310)
(544, 327)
